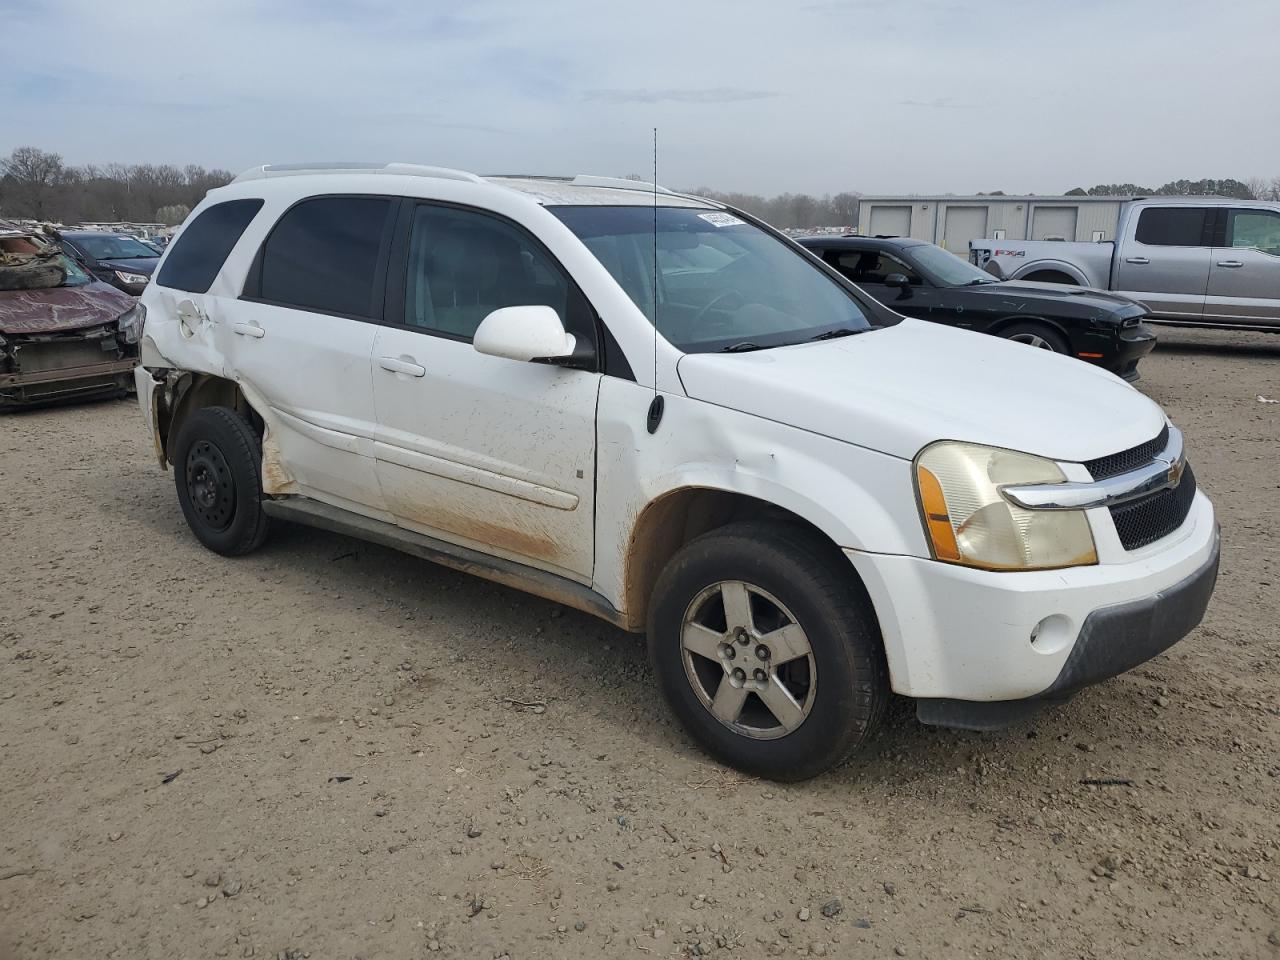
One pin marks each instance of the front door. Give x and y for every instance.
(1165, 261)
(1244, 279)
(478, 450)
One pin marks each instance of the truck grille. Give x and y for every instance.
(1126, 460)
(1147, 520)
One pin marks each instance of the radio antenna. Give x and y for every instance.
(655, 407)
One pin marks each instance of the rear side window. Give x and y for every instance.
(1173, 227)
(325, 254)
(204, 244)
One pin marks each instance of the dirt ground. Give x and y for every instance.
(330, 750)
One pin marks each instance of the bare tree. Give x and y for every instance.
(31, 178)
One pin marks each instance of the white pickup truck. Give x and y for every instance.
(1199, 261)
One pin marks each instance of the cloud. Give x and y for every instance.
(712, 95)
(938, 103)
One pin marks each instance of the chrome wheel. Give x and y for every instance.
(748, 660)
(1032, 340)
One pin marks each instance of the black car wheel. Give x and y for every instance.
(768, 651)
(1038, 335)
(216, 469)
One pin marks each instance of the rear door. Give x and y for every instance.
(482, 451)
(302, 336)
(1244, 278)
(1164, 260)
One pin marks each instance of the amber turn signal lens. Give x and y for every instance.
(936, 517)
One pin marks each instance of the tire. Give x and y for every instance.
(216, 464)
(1037, 334)
(837, 690)
(1051, 277)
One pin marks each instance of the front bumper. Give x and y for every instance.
(953, 633)
(1132, 344)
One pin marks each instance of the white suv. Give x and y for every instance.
(806, 500)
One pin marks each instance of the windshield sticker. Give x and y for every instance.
(721, 219)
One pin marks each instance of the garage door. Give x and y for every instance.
(962, 225)
(890, 222)
(1053, 223)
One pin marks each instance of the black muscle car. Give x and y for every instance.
(922, 280)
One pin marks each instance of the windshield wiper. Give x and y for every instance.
(833, 334)
(978, 282)
(744, 347)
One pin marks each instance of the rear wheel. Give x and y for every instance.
(1039, 335)
(768, 651)
(216, 469)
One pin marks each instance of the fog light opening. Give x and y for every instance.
(1052, 634)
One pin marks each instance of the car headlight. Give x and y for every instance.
(131, 322)
(132, 278)
(970, 522)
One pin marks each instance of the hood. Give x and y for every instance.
(1082, 301)
(61, 308)
(900, 388)
(132, 264)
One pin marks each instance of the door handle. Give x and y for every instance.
(407, 367)
(1231, 263)
(1136, 260)
(248, 329)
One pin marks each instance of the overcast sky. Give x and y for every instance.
(766, 96)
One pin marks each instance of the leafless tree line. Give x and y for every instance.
(38, 185)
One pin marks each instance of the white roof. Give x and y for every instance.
(578, 190)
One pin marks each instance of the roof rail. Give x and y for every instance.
(267, 170)
(617, 183)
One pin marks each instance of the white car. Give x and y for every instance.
(805, 499)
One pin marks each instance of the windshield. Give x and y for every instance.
(115, 248)
(722, 284)
(75, 276)
(948, 269)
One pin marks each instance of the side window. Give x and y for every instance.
(324, 255)
(1173, 227)
(872, 267)
(464, 264)
(204, 244)
(1258, 229)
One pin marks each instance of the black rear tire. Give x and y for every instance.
(821, 593)
(1038, 334)
(216, 467)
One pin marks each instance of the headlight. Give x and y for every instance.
(130, 323)
(970, 522)
(132, 278)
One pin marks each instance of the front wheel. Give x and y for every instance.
(767, 650)
(216, 469)
(1038, 335)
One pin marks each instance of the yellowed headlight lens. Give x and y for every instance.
(968, 521)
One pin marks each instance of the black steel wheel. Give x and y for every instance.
(216, 468)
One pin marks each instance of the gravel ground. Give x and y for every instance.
(327, 749)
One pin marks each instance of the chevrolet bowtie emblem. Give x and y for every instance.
(1175, 471)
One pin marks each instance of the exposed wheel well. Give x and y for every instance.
(674, 519)
(188, 392)
(1050, 276)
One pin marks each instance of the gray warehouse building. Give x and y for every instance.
(952, 222)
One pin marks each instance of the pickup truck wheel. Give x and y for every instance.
(1039, 335)
(215, 468)
(767, 650)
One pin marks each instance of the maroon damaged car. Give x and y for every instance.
(63, 334)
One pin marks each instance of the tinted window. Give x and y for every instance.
(324, 253)
(204, 244)
(1259, 229)
(463, 265)
(869, 266)
(1172, 227)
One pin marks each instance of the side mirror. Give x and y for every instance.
(524, 333)
(899, 281)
